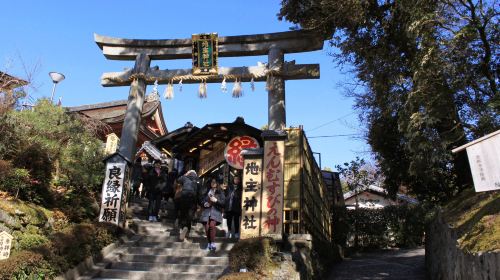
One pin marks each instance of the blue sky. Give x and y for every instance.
(59, 36)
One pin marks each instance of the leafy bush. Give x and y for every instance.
(10, 138)
(14, 180)
(25, 265)
(55, 147)
(72, 245)
(392, 226)
(44, 258)
(78, 205)
(253, 254)
(30, 240)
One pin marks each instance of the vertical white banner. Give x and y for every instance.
(112, 189)
(272, 191)
(484, 160)
(251, 198)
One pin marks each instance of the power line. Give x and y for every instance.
(332, 121)
(335, 135)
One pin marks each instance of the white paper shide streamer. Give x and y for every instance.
(237, 89)
(169, 91)
(223, 86)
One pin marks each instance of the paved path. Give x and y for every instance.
(389, 264)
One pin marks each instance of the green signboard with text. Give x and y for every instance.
(205, 54)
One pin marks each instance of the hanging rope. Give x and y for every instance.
(237, 90)
(151, 79)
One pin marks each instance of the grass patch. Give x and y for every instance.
(476, 219)
(30, 213)
(241, 276)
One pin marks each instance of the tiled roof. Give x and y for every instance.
(111, 112)
(379, 190)
(8, 82)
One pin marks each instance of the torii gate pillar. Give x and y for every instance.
(276, 91)
(135, 102)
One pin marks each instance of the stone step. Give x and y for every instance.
(174, 233)
(162, 267)
(198, 252)
(153, 275)
(160, 228)
(177, 245)
(174, 259)
(191, 239)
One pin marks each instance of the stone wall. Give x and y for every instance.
(444, 260)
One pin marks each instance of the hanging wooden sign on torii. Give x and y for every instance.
(274, 45)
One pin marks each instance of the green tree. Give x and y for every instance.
(427, 75)
(358, 174)
(54, 146)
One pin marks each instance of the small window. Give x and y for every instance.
(287, 215)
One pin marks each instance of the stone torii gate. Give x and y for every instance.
(274, 45)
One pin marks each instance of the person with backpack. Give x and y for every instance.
(185, 201)
(156, 182)
(170, 189)
(232, 209)
(213, 202)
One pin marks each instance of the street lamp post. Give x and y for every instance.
(56, 78)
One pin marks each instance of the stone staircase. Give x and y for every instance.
(156, 253)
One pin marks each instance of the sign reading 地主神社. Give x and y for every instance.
(204, 54)
(272, 189)
(234, 148)
(251, 198)
(112, 194)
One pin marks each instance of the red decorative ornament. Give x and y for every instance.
(234, 148)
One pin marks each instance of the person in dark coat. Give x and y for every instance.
(136, 178)
(213, 202)
(156, 182)
(170, 189)
(185, 201)
(146, 168)
(233, 207)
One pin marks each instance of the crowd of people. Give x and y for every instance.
(212, 202)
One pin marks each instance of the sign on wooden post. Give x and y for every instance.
(272, 191)
(484, 161)
(251, 198)
(204, 54)
(112, 142)
(210, 159)
(113, 194)
(5, 245)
